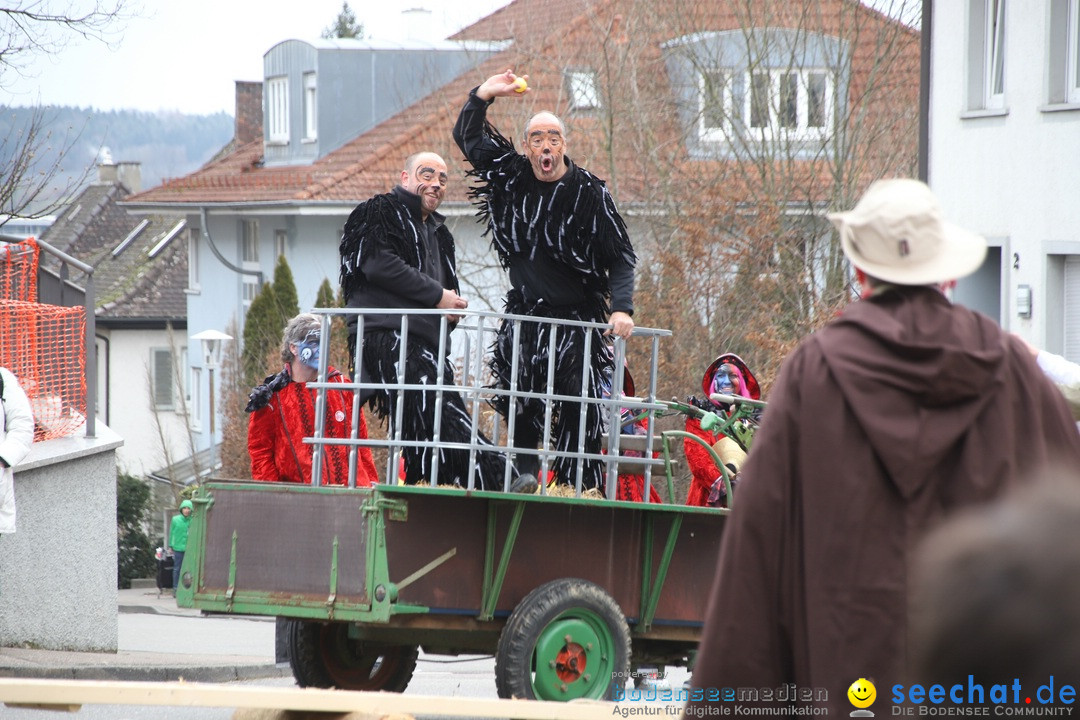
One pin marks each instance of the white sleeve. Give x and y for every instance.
(19, 421)
(1058, 369)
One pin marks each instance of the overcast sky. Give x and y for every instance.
(186, 54)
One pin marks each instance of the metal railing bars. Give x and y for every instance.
(475, 391)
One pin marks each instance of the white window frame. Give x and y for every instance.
(311, 108)
(249, 288)
(249, 242)
(277, 109)
(193, 259)
(281, 242)
(196, 404)
(801, 130)
(185, 377)
(158, 400)
(994, 55)
(708, 131)
(1072, 53)
(582, 88)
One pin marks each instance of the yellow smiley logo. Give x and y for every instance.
(862, 693)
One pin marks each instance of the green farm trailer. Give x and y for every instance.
(568, 593)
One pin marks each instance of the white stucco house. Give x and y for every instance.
(1004, 156)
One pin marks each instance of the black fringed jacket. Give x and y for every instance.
(563, 242)
(391, 259)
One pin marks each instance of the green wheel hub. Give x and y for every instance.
(574, 657)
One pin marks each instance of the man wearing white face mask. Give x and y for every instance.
(283, 414)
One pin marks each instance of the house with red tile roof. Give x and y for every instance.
(694, 113)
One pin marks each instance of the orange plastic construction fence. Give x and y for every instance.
(19, 270)
(44, 346)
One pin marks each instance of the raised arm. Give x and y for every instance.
(470, 133)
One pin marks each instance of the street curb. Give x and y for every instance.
(206, 674)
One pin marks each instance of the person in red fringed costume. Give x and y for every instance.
(729, 375)
(283, 414)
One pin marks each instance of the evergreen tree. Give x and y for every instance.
(339, 350)
(262, 336)
(324, 296)
(134, 556)
(345, 25)
(288, 304)
(235, 461)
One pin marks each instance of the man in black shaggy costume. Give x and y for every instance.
(557, 232)
(396, 252)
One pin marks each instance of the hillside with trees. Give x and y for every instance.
(166, 144)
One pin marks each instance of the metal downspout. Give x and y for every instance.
(234, 268)
(217, 253)
(108, 351)
(925, 44)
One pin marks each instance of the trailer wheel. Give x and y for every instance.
(567, 639)
(323, 655)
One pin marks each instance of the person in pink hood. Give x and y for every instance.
(727, 375)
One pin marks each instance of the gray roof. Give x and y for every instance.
(140, 262)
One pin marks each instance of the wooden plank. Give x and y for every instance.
(67, 693)
(263, 714)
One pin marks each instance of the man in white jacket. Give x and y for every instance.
(1064, 373)
(16, 436)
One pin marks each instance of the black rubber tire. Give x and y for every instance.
(322, 655)
(538, 615)
(306, 665)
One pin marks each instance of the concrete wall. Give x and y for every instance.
(58, 570)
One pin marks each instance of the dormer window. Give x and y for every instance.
(789, 103)
(311, 127)
(740, 92)
(277, 107)
(794, 104)
(581, 87)
(714, 95)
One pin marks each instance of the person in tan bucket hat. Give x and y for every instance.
(896, 233)
(900, 411)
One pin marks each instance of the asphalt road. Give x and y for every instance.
(435, 675)
(196, 635)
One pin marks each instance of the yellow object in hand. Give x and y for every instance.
(520, 85)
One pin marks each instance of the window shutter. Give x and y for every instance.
(163, 379)
(1072, 309)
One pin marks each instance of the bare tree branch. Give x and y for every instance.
(34, 161)
(45, 27)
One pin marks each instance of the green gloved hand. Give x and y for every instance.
(709, 420)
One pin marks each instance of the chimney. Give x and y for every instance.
(106, 169)
(130, 174)
(107, 173)
(418, 24)
(249, 111)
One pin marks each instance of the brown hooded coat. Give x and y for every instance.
(903, 409)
